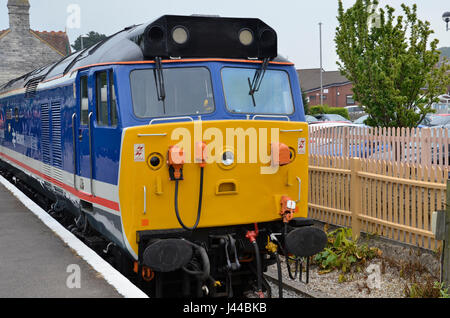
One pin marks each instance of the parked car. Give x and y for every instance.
(360, 121)
(332, 117)
(311, 119)
(354, 112)
(439, 121)
(435, 121)
(323, 143)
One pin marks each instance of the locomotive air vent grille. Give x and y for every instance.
(56, 135)
(45, 134)
(31, 87)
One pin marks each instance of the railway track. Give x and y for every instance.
(290, 291)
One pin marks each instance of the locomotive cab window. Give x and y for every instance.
(106, 99)
(113, 98)
(84, 100)
(188, 91)
(273, 95)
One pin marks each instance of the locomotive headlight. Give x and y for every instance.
(246, 37)
(180, 35)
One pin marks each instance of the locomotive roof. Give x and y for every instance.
(131, 44)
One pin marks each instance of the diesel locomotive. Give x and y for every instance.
(178, 149)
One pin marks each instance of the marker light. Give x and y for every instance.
(246, 37)
(227, 158)
(268, 37)
(180, 35)
(156, 34)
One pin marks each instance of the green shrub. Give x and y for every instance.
(319, 109)
(339, 111)
(342, 252)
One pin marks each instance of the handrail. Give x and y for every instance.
(74, 153)
(90, 153)
(145, 200)
(152, 135)
(299, 188)
(292, 130)
(272, 116)
(170, 118)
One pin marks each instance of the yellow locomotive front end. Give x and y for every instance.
(224, 194)
(250, 167)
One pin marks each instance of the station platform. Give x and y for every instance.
(36, 263)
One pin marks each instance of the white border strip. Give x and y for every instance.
(109, 273)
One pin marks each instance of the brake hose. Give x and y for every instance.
(204, 274)
(200, 198)
(288, 258)
(280, 276)
(258, 269)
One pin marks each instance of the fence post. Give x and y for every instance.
(346, 143)
(355, 196)
(446, 250)
(425, 151)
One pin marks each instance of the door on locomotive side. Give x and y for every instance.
(83, 131)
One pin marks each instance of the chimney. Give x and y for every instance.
(19, 15)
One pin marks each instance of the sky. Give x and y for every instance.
(296, 21)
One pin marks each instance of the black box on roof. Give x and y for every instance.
(206, 36)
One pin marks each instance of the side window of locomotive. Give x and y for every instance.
(106, 99)
(113, 104)
(102, 98)
(84, 100)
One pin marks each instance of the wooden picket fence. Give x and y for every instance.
(425, 146)
(392, 195)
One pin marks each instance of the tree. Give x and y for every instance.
(391, 63)
(91, 39)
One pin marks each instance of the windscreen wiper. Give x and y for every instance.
(159, 80)
(255, 84)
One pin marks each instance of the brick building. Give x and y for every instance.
(337, 90)
(22, 49)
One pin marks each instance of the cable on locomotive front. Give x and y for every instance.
(176, 162)
(199, 210)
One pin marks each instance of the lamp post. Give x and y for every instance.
(446, 18)
(321, 68)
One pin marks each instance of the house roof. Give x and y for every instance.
(310, 79)
(59, 41)
(3, 32)
(18, 3)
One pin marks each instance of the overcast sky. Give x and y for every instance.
(296, 21)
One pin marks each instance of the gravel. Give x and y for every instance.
(382, 277)
(286, 292)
